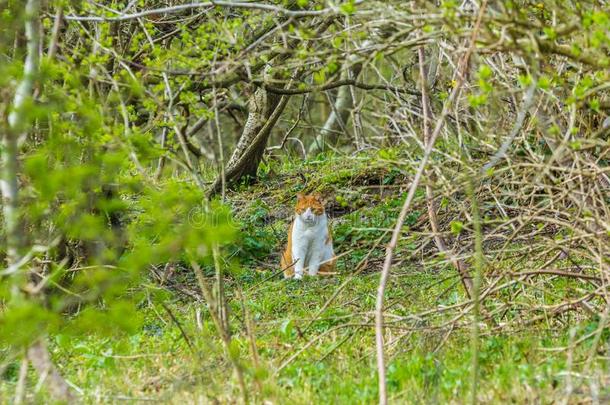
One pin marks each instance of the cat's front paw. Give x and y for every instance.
(313, 272)
(298, 276)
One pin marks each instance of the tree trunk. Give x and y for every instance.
(264, 109)
(336, 122)
(17, 131)
(19, 123)
(260, 107)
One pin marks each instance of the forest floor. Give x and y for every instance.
(314, 338)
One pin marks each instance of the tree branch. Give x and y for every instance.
(333, 85)
(210, 4)
(245, 157)
(383, 279)
(19, 123)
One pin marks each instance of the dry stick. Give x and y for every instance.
(292, 128)
(333, 85)
(193, 165)
(603, 322)
(170, 96)
(251, 336)
(221, 305)
(478, 259)
(23, 373)
(459, 264)
(314, 340)
(210, 5)
(359, 268)
(226, 339)
(249, 327)
(568, 384)
(557, 273)
(53, 43)
(444, 340)
(340, 343)
(221, 157)
(461, 76)
(528, 102)
(180, 328)
(161, 162)
(39, 355)
(273, 274)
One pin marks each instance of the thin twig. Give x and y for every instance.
(462, 67)
(210, 5)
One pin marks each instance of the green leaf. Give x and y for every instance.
(348, 8)
(287, 328)
(456, 227)
(319, 77)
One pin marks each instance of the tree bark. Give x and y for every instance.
(17, 130)
(264, 111)
(260, 107)
(337, 120)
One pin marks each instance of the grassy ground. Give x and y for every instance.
(309, 352)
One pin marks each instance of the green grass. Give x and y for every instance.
(423, 367)
(425, 364)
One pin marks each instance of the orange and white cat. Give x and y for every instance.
(310, 243)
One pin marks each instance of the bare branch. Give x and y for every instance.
(333, 85)
(461, 77)
(209, 4)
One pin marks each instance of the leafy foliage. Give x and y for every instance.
(148, 283)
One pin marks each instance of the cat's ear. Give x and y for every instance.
(318, 197)
(300, 196)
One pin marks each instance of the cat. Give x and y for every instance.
(310, 243)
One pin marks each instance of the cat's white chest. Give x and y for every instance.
(310, 233)
(311, 245)
(303, 234)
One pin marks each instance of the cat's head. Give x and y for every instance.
(310, 207)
